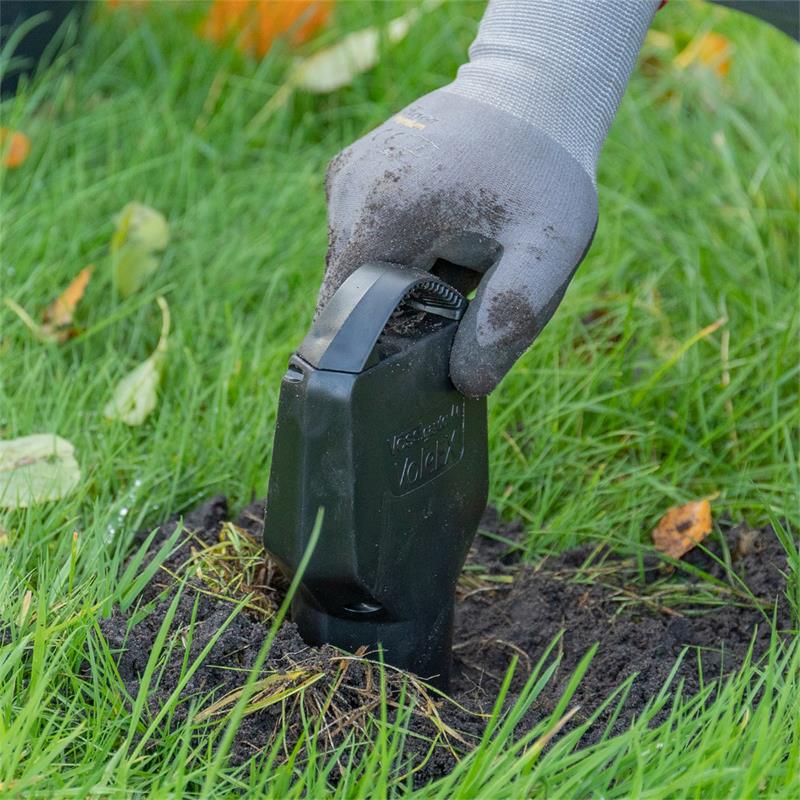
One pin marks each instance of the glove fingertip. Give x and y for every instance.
(470, 371)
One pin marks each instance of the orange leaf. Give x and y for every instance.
(255, 24)
(57, 317)
(683, 527)
(15, 147)
(59, 312)
(711, 50)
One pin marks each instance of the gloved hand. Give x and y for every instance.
(494, 172)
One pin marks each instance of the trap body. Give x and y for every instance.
(371, 429)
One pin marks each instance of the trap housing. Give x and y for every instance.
(372, 431)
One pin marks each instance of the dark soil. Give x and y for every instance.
(505, 609)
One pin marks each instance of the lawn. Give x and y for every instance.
(670, 373)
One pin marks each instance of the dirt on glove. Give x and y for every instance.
(506, 609)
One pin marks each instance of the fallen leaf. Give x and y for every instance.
(141, 225)
(57, 317)
(336, 66)
(682, 528)
(712, 50)
(60, 311)
(354, 54)
(3, 537)
(136, 395)
(141, 232)
(255, 24)
(133, 265)
(15, 147)
(36, 469)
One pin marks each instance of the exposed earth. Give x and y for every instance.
(506, 609)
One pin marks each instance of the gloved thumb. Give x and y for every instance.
(514, 301)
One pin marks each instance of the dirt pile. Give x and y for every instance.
(505, 609)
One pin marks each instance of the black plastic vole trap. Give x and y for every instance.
(371, 429)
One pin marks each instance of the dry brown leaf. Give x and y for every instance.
(682, 528)
(59, 313)
(57, 317)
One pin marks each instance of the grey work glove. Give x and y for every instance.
(494, 172)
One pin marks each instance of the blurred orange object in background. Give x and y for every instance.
(711, 50)
(14, 147)
(118, 3)
(255, 24)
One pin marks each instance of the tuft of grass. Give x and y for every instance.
(634, 398)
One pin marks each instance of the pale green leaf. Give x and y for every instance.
(36, 469)
(336, 66)
(136, 395)
(141, 233)
(132, 267)
(141, 225)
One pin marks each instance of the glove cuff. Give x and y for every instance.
(560, 65)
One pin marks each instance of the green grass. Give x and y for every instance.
(594, 434)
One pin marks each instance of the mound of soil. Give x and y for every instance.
(506, 609)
